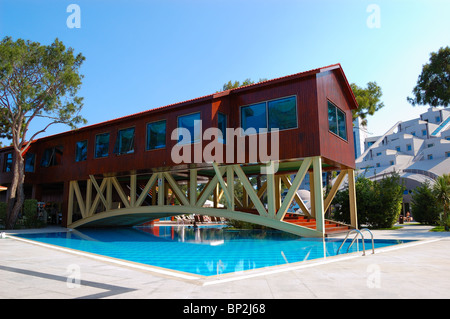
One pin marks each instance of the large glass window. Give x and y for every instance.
(275, 114)
(283, 113)
(156, 135)
(8, 162)
(29, 162)
(190, 122)
(81, 151)
(222, 126)
(124, 141)
(52, 156)
(336, 121)
(101, 145)
(254, 116)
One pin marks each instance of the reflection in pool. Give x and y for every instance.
(205, 250)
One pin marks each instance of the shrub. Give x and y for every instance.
(378, 203)
(424, 206)
(30, 213)
(2, 213)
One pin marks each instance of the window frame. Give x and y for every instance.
(337, 121)
(115, 150)
(76, 150)
(95, 144)
(5, 164)
(222, 140)
(147, 136)
(193, 141)
(266, 102)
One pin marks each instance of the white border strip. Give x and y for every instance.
(109, 259)
(323, 262)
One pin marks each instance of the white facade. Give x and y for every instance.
(417, 149)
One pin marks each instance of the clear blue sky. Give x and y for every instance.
(146, 54)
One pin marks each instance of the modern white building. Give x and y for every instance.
(418, 149)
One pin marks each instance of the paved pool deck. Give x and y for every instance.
(413, 270)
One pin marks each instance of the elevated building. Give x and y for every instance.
(150, 165)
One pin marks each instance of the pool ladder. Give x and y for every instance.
(358, 232)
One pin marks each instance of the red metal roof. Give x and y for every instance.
(218, 94)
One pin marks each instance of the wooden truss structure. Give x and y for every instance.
(120, 201)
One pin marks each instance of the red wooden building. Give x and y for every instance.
(109, 165)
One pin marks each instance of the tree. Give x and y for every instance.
(441, 190)
(433, 84)
(378, 202)
(36, 81)
(368, 100)
(424, 206)
(233, 85)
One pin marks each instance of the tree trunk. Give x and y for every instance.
(16, 195)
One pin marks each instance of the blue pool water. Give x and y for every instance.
(203, 251)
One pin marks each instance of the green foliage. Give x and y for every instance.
(378, 202)
(441, 190)
(30, 216)
(368, 100)
(36, 81)
(433, 84)
(39, 81)
(3, 207)
(424, 206)
(233, 85)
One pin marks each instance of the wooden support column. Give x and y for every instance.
(271, 207)
(68, 201)
(193, 187)
(230, 185)
(88, 197)
(318, 194)
(160, 189)
(133, 190)
(312, 195)
(352, 198)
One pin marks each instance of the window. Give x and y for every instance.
(283, 113)
(8, 162)
(408, 147)
(81, 151)
(278, 114)
(192, 124)
(124, 141)
(424, 132)
(336, 121)
(379, 154)
(438, 119)
(254, 116)
(430, 145)
(397, 148)
(430, 156)
(391, 162)
(156, 135)
(52, 156)
(447, 154)
(101, 145)
(29, 162)
(377, 164)
(222, 126)
(413, 133)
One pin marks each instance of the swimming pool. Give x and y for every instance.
(204, 251)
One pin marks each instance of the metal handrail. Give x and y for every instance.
(358, 233)
(373, 246)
